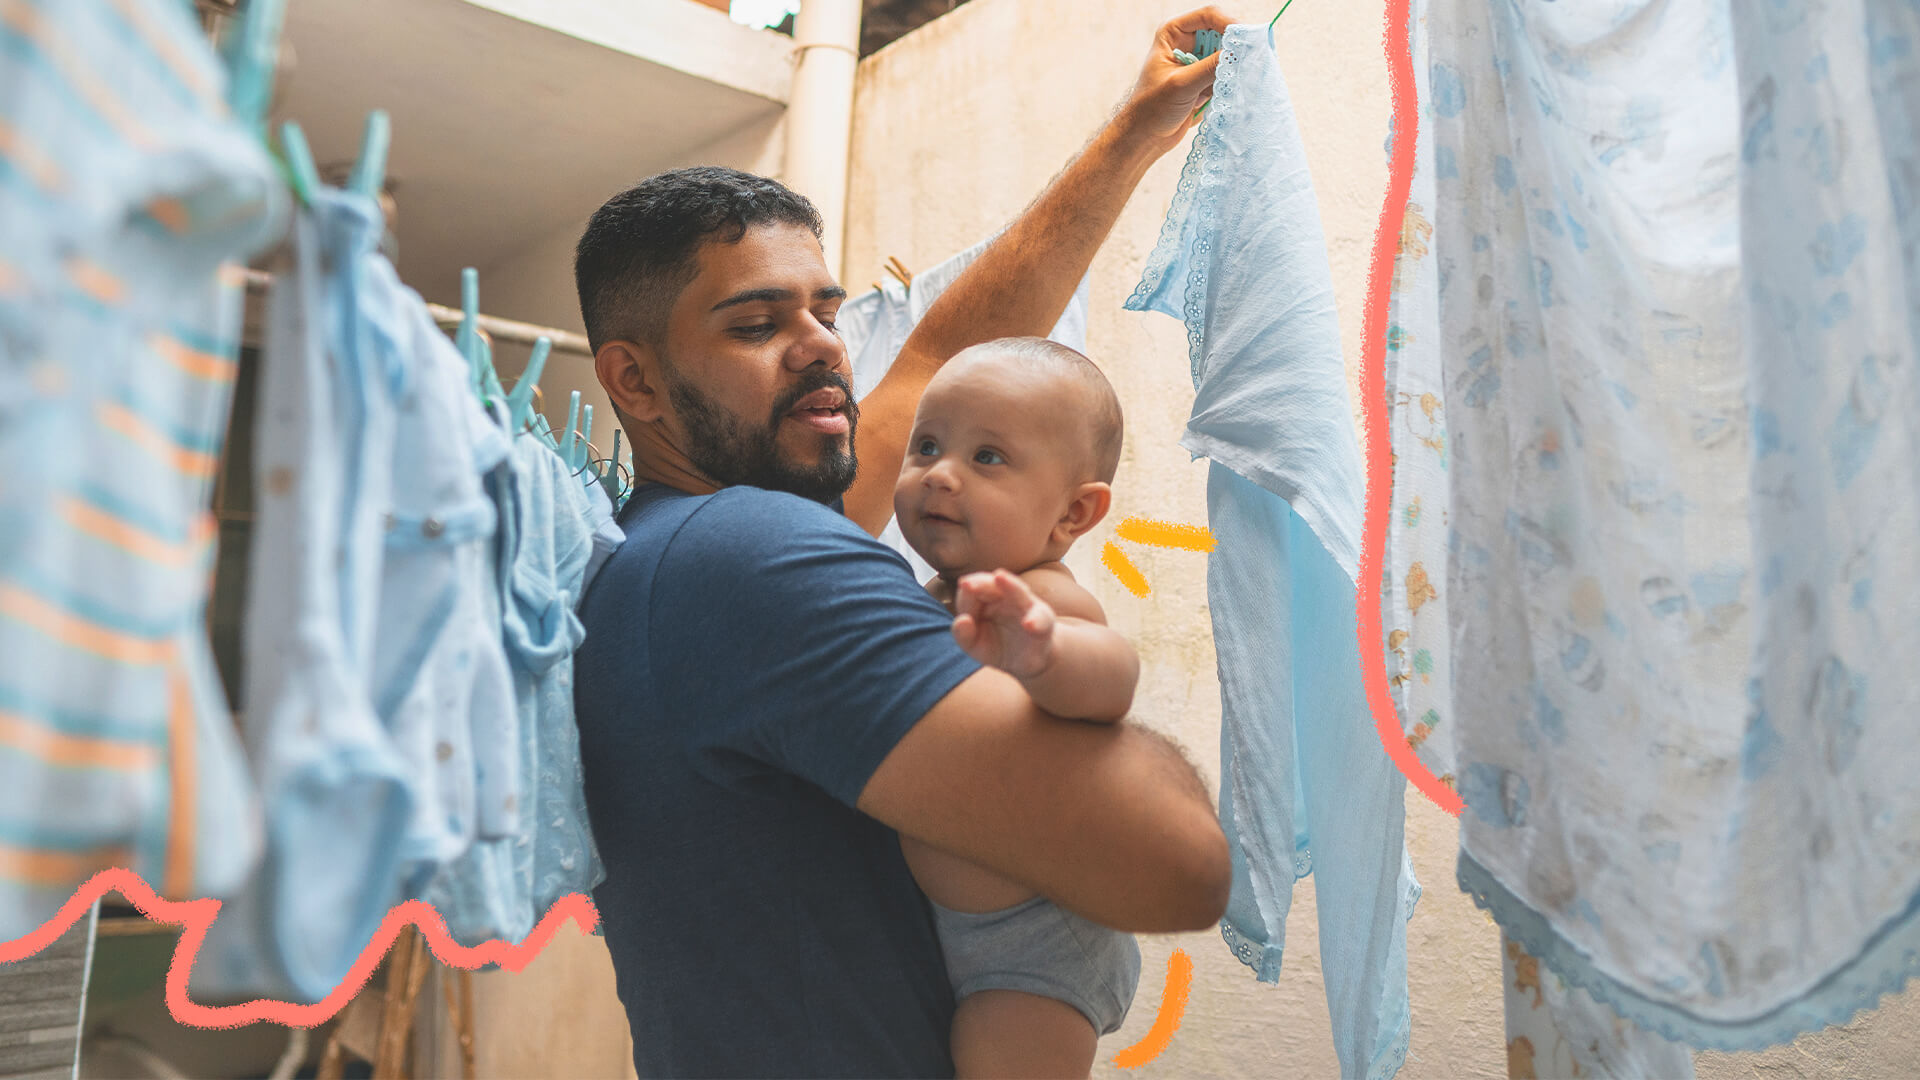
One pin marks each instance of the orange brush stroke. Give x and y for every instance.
(1173, 1007)
(197, 915)
(1373, 391)
(1166, 534)
(1116, 560)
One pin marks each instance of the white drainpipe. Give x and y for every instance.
(826, 36)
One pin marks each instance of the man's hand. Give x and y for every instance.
(1001, 623)
(1166, 99)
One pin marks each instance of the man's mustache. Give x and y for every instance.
(812, 383)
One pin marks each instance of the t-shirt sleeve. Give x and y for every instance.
(802, 643)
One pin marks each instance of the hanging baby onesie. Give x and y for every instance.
(880, 322)
(337, 792)
(501, 888)
(1305, 786)
(1678, 309)
(438, 662)
(126, 189)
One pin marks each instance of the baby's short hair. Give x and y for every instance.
(1105, 426)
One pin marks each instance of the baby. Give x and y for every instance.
(1011, 460)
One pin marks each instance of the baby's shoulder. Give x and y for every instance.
(1055, 584)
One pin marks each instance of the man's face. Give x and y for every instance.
(758, 381)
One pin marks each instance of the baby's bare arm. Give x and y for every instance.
(1093, 670)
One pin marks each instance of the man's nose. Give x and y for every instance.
(817, 344)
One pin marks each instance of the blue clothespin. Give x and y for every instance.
(370, 172)
(520, 401)
(301, 173)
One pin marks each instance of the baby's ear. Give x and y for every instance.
(1089, 507)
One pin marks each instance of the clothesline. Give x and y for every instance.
(520, 333)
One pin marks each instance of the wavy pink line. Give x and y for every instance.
(198, 915)
(1373, 396)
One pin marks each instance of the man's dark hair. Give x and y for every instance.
(638, 250)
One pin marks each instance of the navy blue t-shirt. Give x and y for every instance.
(751, 657)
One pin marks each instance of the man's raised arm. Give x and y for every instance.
(1021, 284)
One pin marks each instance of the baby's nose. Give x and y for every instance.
(943, 475)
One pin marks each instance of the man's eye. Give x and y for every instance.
(756, 332)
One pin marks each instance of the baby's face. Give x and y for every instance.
(989, 469)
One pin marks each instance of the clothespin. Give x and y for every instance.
(520, 401)
(582, 447)
(254, 56)
(613, 463)
(301, 173)
(479, 354)
(899, 271)
(568, 439)
(370, 171)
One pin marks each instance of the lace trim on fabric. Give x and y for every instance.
(1883, 966)
(1263, 959)
(1202, 180)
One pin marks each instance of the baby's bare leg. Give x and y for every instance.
(956, 884)
(1008, 1035)
(1001, 1033)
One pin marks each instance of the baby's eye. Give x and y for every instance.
(989, 457)
(926, 448)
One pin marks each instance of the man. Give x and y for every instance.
(767, 699)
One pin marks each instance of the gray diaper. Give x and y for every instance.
(1042, 949)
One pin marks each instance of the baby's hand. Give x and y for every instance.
(1001, 623)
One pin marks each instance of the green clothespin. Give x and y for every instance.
(582, 448)
(520, 401)
(370, 171)
(486, 383)
(568, 439)
(301, 174)
(252, 58)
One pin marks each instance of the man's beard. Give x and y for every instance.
(729, 452)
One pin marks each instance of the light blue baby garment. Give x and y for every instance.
(1306, 786)
(127, 193)
(337, 792)
(501, 887)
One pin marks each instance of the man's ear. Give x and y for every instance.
(630, 374)
(1089, 507)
